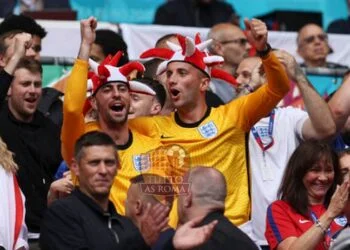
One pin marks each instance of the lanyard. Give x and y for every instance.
(266, 170)
(270, 130)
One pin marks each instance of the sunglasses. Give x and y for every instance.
(311, 39)
(240, 41)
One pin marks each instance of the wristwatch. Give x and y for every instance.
(265, 52)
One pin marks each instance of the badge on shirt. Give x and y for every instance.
(142, 162)
(208, 130)
(263, 132)
(341, 220)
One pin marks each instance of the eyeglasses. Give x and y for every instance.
(240, 41)
(311, 39)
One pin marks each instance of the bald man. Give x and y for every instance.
(140, 194)
(244, 74)
(314, 48)
(206, 198)
(229, 42)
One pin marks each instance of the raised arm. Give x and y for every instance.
(340, 104)
(73, 119)
(22, 42)
(320, 124)
(255, 106)
(257, 35)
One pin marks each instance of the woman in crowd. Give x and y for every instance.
(309, 211)
(13, 231)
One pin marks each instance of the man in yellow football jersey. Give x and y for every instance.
(111, 100)
(214, 137)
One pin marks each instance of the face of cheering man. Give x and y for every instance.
(143, 105)
(112, 102)
(25, 91)
(186, 84)
(244, 71)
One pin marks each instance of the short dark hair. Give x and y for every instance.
(30, 64)
(111, 42)
(292, 188)
(23, 23)
(94, 138)
(343, 152)
(156, 86)
(164, 38)
(4, 36)
(151, 67)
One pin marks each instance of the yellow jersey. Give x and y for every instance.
(141, 154)
(219, 139)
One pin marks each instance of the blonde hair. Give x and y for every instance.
(6, 158)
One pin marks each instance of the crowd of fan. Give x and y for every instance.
(198, 147)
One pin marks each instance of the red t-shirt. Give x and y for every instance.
(282, 221)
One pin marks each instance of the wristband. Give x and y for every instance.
(265, 52)
(319, 224)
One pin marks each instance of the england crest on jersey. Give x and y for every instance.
(141, 162)
(208, 130)
(341, 220)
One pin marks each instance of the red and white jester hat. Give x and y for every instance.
(107, 72)
(193, 52)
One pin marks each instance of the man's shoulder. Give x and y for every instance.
(339, 26)
(174, 6)
(140, 121)
(229, 233)
(45, 124)
(333, 65)
(69, 203)
(290, 112)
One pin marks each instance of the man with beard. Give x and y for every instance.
(33, 138)
(111, 101)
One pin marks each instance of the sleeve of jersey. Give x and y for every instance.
(74, 99)
(298, 118)
(257, 105)
(147, 126)
(278, 224)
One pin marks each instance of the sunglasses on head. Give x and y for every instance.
(311, 39)
(240, 41)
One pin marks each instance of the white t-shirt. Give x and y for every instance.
(267, 172)
(8, 214)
